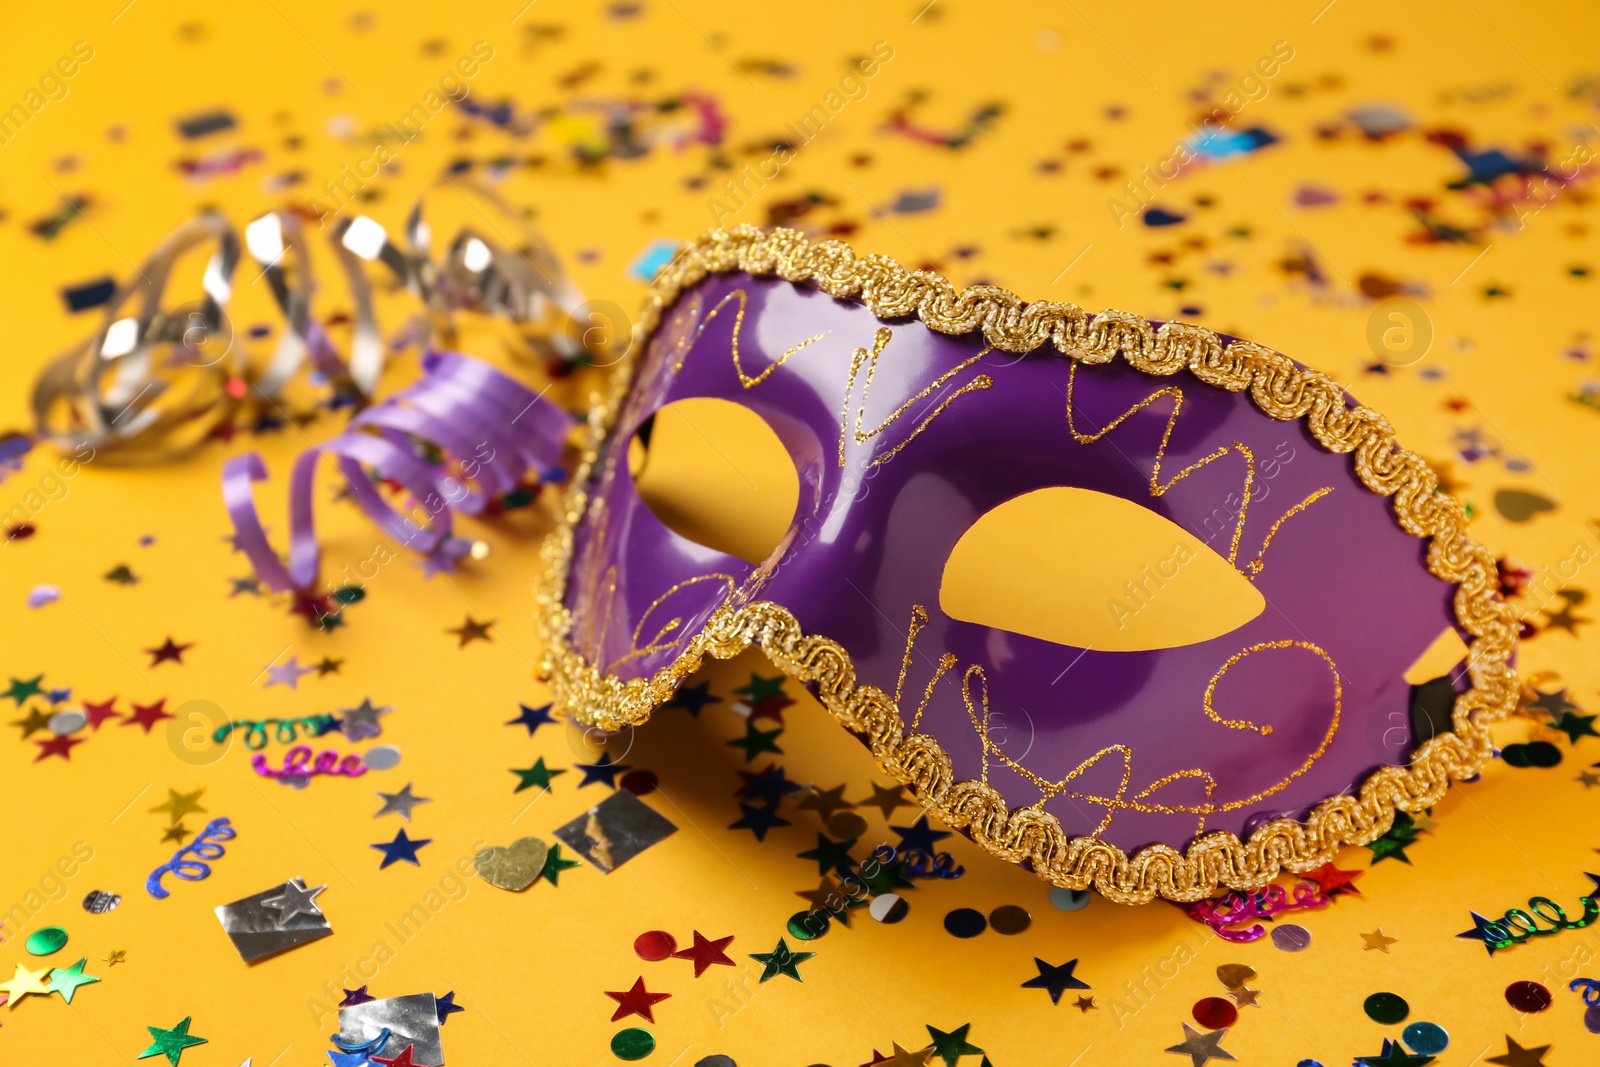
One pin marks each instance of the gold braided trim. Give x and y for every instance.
(1278, 387)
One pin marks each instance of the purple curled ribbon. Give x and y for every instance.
(192, 870)
(490, 426)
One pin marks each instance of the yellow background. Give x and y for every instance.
(530, 968)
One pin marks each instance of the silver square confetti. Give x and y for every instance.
(615, 830)
(411, 1020)
(273, 920)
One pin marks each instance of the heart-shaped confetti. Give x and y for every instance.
(513, 866)
(1235, 975)
(1519, 505)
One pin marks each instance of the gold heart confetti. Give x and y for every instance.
(514, 866)
(1235, 975)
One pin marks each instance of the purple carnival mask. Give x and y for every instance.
(911, 412)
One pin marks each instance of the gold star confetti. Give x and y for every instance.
(115, 956)
(1245, 998)
(470, 631)
(176, 832)
(1378, 940)
(180, 804)
(1084, 1004)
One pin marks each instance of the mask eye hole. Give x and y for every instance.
(716, 473)
(1091, 570)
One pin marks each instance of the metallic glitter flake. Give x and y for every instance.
(615, 830)
(411, 1020)
(68, 722)
(1291, 938)
(45, 940)
(98, 901)
(259, 929)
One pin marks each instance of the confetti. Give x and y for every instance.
(615, 830)
(274, 920)
(514, 867)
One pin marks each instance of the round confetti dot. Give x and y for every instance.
(1516, 755)
(382, 758)
(1214, 1013)
(888, 907)
(808, 925)
(633, 1044)
(1010, 919)
(846, 824)
(1069, 899)
(1235, 975)
(717, 1060)
(1543, 754)
(50, 939)
(1386, 1008)
(655, 945)
(965, 922)
(640, 782)
(1425, 1039)
(1529, 997)
(1591, 1018)
(1291, 938)
(98, 902)
(67, 722)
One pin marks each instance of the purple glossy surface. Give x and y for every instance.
(864, 550)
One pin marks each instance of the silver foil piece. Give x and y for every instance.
(258, 930)
(411, 1020)
(615, 830)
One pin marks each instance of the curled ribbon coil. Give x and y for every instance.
(155, 383)
(207, 846)
(285, 731)
(488, 433)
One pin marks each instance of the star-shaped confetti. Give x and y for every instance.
(244, 585)
(400, 803)
(1201, 1047)
(781, 960)
(60, 745)
(537, 775)
(1085, 1004)
(902, 1057)
(826, 897)
(327, 666)
(401, 848)
(1492, 934)
(1331, 879)
(1588, 779)
(1393, 1055)
(825, 802)
(754, 742)
(352, 997)
(887, 799)
(295, 899)
(704, 952)
(554, 865)
(176, 832)
(361, 723)
(830, 853)
(147, 715)
(446, 1006)
(24, 983)
(760, 688)
(288, 673)
(1554, 704)
(951, 1046)
(121, 574)
(769, 785)
(769, 708)
(1576, 726)
(115, 956)
(603, 770)
(171, 1043)
(919, 837)
(66, 980)
(533, 718)
(402, 1060)
(636, 1000)
(34, 721)
(692, 698)
(1517, 1056)
(177, 804)
(99, 713)
(1378, 940)
(1055, 980)
(1245, 997)
(168, 650)
(470, 631)
(20, 690)
(758, 820)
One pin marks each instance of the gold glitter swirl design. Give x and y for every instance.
(1278, 387)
